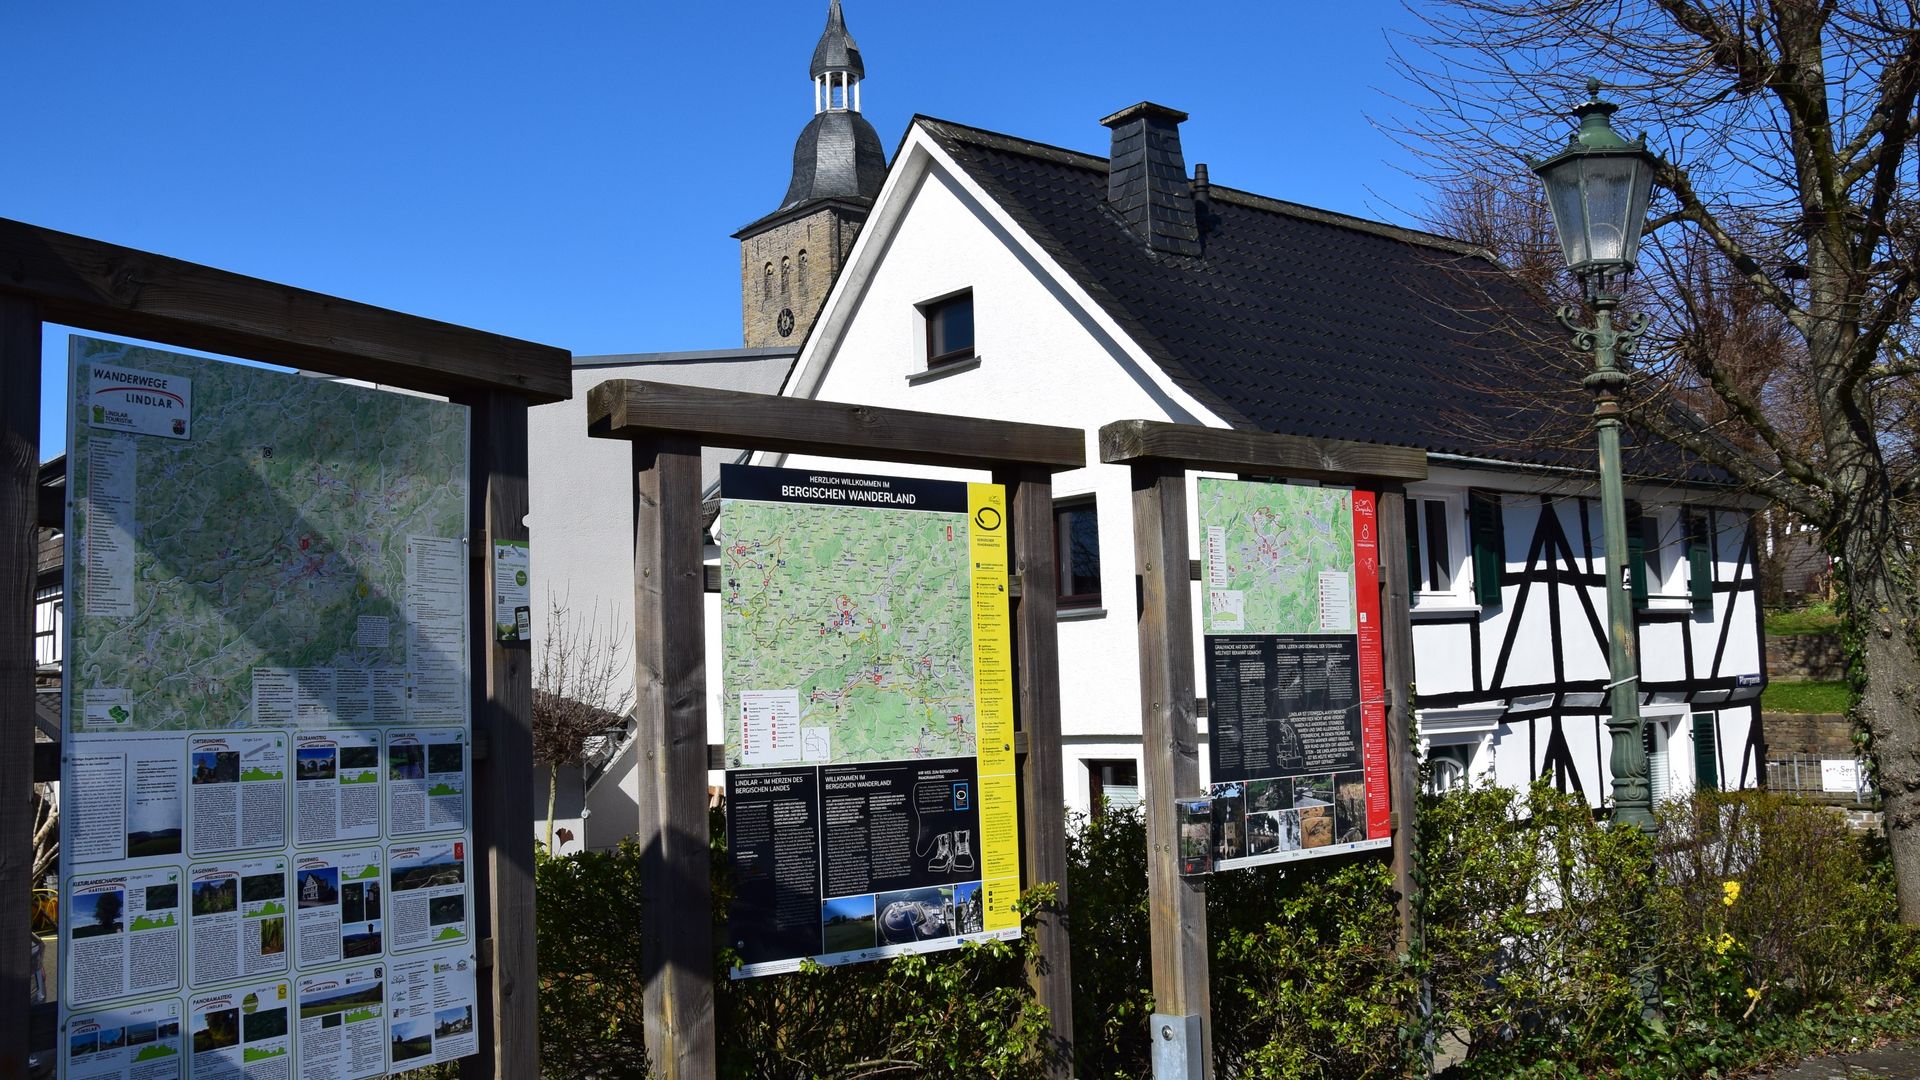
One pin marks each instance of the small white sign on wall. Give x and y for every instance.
(1839, 775)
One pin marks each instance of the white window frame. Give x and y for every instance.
(1667, 564)
(1458, 596)
(1469, 728)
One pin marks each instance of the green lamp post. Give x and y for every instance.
(1597, 190)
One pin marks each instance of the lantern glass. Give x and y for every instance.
(1599, 205)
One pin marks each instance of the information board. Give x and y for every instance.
(868, 690)
(265, 767)
(1296, 714)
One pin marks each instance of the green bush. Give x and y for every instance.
(587, 916)
(1534, 913)
(1531, 911)
(1304, 976)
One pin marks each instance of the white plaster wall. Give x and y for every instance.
(581, 522)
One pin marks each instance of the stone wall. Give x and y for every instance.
(1825, 735)
(1806, 656)
(788, 269)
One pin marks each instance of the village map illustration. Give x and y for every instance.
(283, 543)
(1279, 558)
(864, 614)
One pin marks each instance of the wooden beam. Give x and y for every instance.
(670, 684)
(631, 409)
(1042, 781)
(19, 500)
(1396, 647)
(1258, 453)
(1169, 743)
(502, 783)
(118, 290)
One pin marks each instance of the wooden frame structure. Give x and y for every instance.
(668, 426)
(90, 285)
(1160, 456)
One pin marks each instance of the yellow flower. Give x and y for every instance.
(1753, 993)
(1724, 943)
(1732, 890)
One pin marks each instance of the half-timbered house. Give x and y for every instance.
(995, 276)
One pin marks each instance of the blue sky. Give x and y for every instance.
(570, 172)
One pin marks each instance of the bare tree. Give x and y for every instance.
(1781, 269)
(580, 691)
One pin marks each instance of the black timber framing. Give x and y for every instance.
(668, 426)
(1554, 559)
(48, 276)
(1161, 455)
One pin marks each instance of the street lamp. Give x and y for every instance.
(1597, 191)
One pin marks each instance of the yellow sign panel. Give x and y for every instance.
(993, 705)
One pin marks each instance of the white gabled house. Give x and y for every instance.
(1004, 278)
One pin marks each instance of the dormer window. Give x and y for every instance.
(949, 329)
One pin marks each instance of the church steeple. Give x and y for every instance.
(789, 258)
(836, 69)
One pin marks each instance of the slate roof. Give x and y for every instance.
(836, 50)
(1305, 322)
(837, 156)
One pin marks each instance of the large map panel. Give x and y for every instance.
(1297, 738)
(867, 689)
(267, 583)
(1279, 558)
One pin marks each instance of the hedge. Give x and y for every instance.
(1762, 929)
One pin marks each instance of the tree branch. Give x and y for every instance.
(1694, 210)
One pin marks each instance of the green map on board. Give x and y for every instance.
(1276, 558)
(866, 614)
(263, 541)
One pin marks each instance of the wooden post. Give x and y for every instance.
(1396, 646)
(19, 514)
(1043, 828)
(502, 677)
(1169, 743)
(670, 696)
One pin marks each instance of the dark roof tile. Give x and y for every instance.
(1305, 322)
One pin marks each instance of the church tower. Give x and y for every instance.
(789, 258)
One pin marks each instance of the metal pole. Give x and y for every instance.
(1632, 797)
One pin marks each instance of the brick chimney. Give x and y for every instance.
(1147, 178)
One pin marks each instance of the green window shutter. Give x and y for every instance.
(1489, 545)
(1706, 753)
(1699, 563)
(1637, 554)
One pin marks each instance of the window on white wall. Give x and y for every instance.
(1669, 554)
(1112, 783)
(1437, 549)
(1076, 537)
(1449, 767)
(949, 323)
